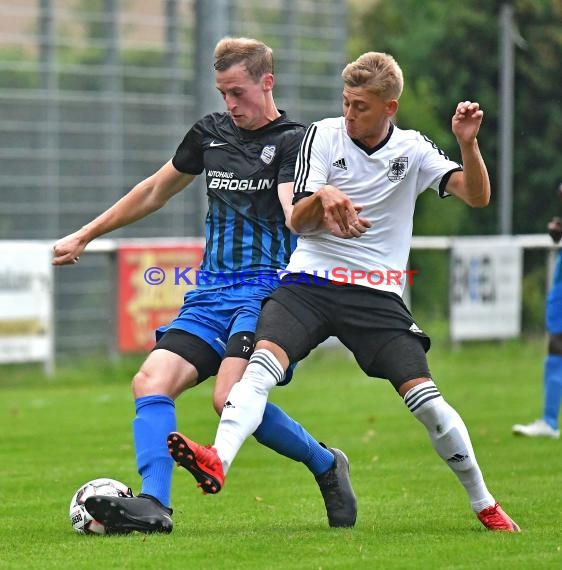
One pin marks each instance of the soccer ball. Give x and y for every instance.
(80, 519)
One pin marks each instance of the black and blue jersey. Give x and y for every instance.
(245, 224)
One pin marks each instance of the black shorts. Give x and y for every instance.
(375, 325)
(201, 354)
(192, 349)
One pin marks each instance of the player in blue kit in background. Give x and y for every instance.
(547, 426)
(249, 155)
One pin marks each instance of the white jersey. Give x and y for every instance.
(386, 181)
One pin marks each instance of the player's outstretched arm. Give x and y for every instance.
(146, 197)
(473, 184)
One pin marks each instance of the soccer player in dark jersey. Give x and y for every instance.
(249, 155)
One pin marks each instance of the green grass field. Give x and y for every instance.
(57, 434)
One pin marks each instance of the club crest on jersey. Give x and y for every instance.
(268, 153)
(397, 168)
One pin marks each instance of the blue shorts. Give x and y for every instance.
(554, 300)
(214, 315)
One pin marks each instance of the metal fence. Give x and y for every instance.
(96, 94)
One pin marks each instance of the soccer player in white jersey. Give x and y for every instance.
(357, 181)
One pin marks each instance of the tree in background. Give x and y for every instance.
(449, 51)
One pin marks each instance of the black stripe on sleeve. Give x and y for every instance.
(445, 181)
(300, 196)
(303, 164)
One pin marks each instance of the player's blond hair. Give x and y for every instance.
(254, 55)
(377, 72)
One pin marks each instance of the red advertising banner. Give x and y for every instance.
(148, 294)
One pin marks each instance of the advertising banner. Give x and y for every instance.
(485, 288)
(26, 302)
(149, 290)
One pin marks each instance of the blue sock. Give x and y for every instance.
(285, 436)
(552, 389)
(155, 419)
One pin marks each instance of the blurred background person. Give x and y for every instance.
(547, 425)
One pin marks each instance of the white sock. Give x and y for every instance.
(245, 405)
(450, 439)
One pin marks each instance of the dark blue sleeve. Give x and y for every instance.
(189, 154)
